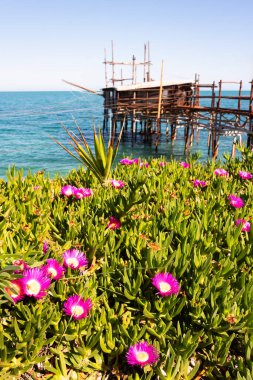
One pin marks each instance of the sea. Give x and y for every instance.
(29, 121)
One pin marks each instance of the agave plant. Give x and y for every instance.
(100, 163)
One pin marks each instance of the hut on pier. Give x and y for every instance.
(142, 99)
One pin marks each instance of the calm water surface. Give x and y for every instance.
(27, 119)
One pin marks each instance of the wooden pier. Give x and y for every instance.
(152, 107)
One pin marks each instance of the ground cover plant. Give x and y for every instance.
(147, 278)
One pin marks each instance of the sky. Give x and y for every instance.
(45, 41)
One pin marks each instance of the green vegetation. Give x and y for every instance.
(100, 163)
(167, 225)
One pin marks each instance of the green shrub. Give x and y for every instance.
(167, 225)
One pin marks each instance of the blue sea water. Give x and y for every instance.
(28, 119)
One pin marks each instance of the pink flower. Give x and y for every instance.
(166, 284)
(77, 307)
(221, 172)
(198, 183)
(113, 224)
(162, 164)
(144, 164)
(135, 160)
(16, 290)
(81, 192)
(35, 282)
(245, 175)
(21, 264)
(244, 223)
(53, 269)
(117, 184)
(68, 190)
(184, 165)
(142, 354)
(45, 247)
(235, 201)
(74, 259)
(126, 161)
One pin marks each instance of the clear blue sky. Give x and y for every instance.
(43, 41)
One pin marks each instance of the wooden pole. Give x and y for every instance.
(148, 73)
(133, 69)
(250, 135)
(158, 120)
(144, 63)
(106, 80)
(113, 74)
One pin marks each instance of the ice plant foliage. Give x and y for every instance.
(113, 224)
(245, 175)
(221, 172)
(185, 165)
(235, 201)
(117, 184)
(198, 183)
(77, 307)
(166, 284)
(74, 259)
(15, 291)
(245, 225)
(142, 354)
(35, 282)
(53, 269)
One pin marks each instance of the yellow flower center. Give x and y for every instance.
(33, 287)
(52, 272)
(72, 261)
(77, 310)
(164, 287)
(142, 356)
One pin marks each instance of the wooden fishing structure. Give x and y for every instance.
(154, 107)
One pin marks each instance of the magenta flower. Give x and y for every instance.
(221, 172)
(162, 164)
(81, 192)
(21, 264)
(126, 161)
(53, 269)
(68, 190)
(166, 284)
(74, 259)
(142, 354)
(235, 201)
(16, 290)
(245, 175)
(135, 160)
(198, 183)
(77, 307)
(35, 282)
(184, 165)
(144, 164)
(244, 223)
(113, 224)
(45, 247)
(117, 184)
